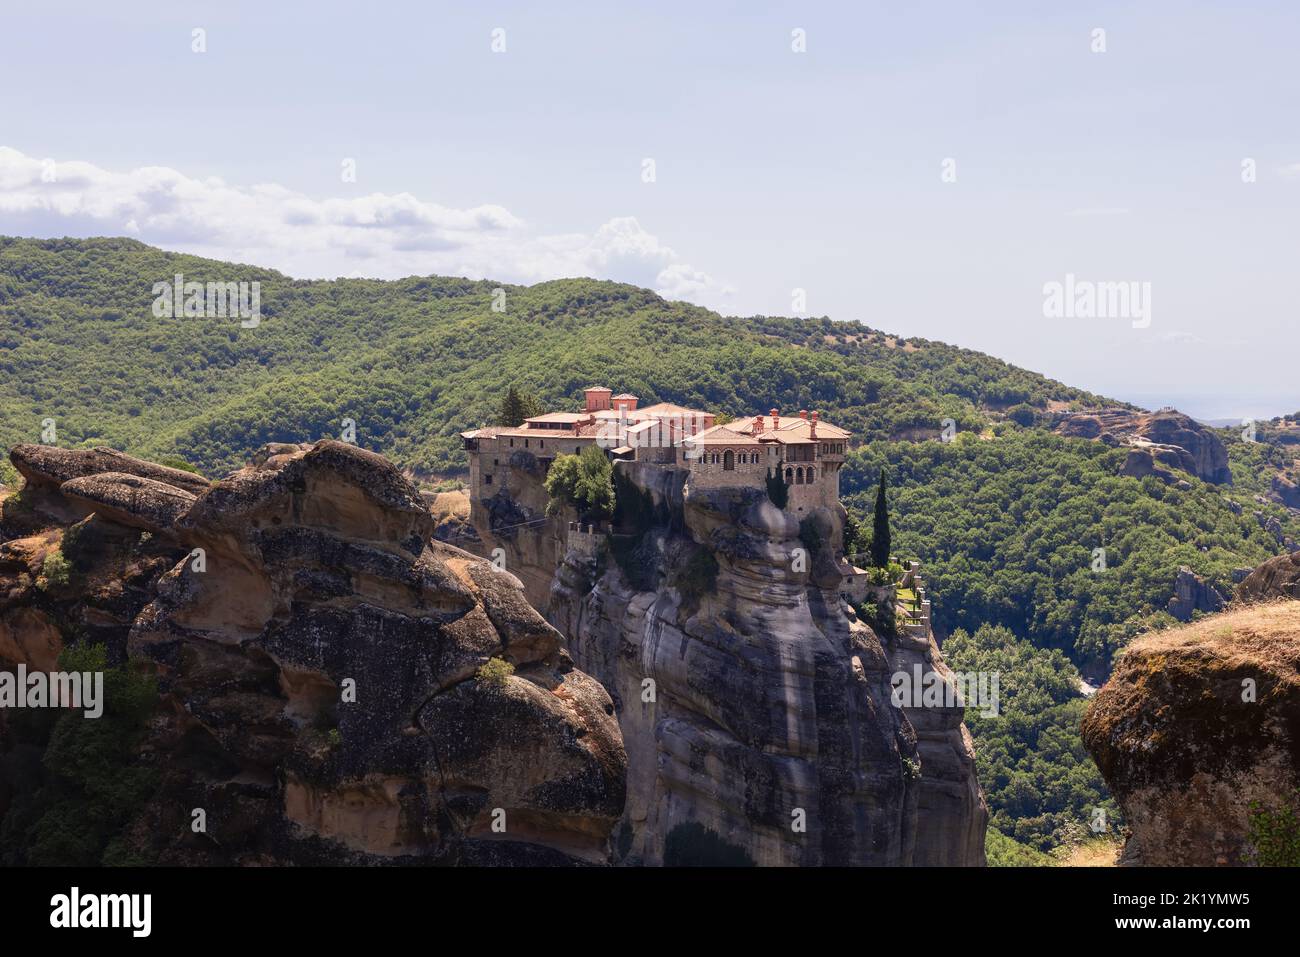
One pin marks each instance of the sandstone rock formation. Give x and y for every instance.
(1197, 724)
(1160, 440)
(751, 703)
(1192, 593)
(1276, 578)
(318, 662)
(1286, 491)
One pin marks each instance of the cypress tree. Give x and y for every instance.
(880, 544)
(512, 412)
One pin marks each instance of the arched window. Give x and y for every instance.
(728, 461)
(789, 476)
(798, 475)
(810, 475)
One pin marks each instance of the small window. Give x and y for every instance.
(487, 480)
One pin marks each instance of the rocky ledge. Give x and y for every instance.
(333, 686)
(1198, 731)
(1158, 442)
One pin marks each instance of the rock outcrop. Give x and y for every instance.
(1276, 578)
(753, 704)
(1198, 730)
(334, 687)
(1192, 593)
(1160, 441)
(1286, 491)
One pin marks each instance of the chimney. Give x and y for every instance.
(803, 414)
(776, 419)
(812, 426)
(758, 424)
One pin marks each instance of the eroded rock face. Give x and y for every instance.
(1192, 593)
(1161, 440)
(1195, 725)
(753, 701)
(319, 666)
(1276, 578)
(51, 466)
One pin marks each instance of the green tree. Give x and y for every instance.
(514, 409)
(777, 490)
(880, 543)
(583, 481)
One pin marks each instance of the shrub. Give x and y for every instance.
(583, 481)
(1275, 835)
(176, 462)
(56, 571)
(1002, 851)
(1022, 415)
(91, 783)
(495, 671)
(697, 577)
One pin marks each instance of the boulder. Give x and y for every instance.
(1286, 491)
(1192, 594)
(130, 500)
(1169, 437)
(334, 687)
(1198, 731)
(52, 466)
(1276, 578)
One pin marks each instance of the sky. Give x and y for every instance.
(927, 168)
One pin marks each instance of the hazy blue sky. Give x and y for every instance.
(775, 170)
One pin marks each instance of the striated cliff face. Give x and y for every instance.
(750, 702)
(317, 662)
(1195, 725)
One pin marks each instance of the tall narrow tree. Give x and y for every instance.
(880, 544)
(513, 410)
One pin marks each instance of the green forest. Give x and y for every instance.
(1006, 518)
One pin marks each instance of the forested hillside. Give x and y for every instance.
(1005, 517)
(415, 361)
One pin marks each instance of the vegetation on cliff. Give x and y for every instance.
(70, 808)
(584, 482)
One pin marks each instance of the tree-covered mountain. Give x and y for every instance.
(1006, 517)
(417, 360)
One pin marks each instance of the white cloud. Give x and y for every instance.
(383, 236)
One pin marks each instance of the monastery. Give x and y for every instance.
(806, 451)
